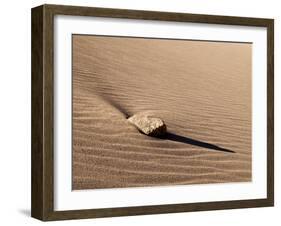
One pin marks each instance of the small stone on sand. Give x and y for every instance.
(148, 125)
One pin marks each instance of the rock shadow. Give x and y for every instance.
(187, 140)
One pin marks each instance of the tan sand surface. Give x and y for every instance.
(202, 90)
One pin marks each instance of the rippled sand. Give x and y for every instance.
(202, 90)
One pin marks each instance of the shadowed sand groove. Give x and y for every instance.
(202, 90)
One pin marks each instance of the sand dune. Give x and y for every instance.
(202, 90)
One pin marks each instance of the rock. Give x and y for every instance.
(148, 125)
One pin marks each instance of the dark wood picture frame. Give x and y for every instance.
(42, 203)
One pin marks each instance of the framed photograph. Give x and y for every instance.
(141, 112)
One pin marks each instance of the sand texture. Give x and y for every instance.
(202, 90)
